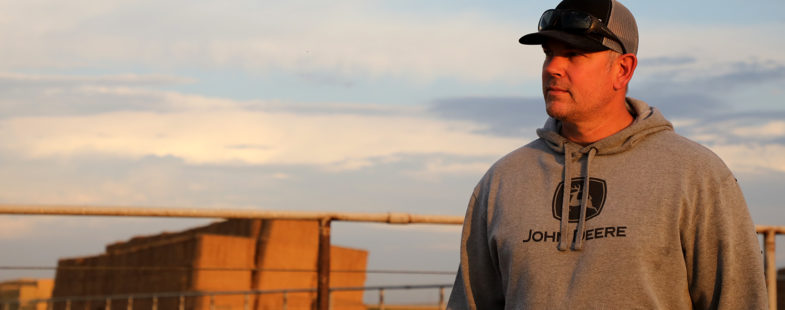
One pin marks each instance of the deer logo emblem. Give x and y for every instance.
(594, 203)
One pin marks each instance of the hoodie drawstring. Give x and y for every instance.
(577, 244)
(564, 224)
(565, 205)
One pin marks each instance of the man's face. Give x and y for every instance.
(576, 84)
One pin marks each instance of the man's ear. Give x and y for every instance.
(625, 67)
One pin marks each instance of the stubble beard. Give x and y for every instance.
(559, 108)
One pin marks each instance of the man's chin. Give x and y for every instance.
(555, 109)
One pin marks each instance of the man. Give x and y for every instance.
(609, 208)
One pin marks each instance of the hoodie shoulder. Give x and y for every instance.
(685, 155)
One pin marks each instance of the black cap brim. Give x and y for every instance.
(579, 41)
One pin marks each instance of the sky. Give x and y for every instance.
(345, 106)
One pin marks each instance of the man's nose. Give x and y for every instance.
(554, 66)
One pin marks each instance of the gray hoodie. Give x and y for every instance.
(646, 220)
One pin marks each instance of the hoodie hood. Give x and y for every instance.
(647, 120)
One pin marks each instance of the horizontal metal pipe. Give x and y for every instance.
(221, 293)
(390, 287)
(189, 268)
(390, 217)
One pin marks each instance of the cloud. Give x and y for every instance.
(738, 128)
(503, 116)
(212, 136)
(747, 142)
(741, 74)
(154, 181)
(340, 44)
(337, 44)
(666, 61)
(701, 93)
(709, 43)
(29, 94)
(771, 129)
(679, 105)
(437, 168)
(723, 77)
(752, 156)
(327, 43)
(10, 81)
(329, 108)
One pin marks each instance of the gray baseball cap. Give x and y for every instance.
(612, 15)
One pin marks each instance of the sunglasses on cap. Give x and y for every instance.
(575, 21)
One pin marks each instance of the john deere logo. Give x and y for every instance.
(596, 199)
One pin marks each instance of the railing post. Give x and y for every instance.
(155, 302)
(181, 302)
(50, 304)
(87, 305)
(245, 301)
(108, 304)
(7, 306)
(130, 304)
(212, 301)
(441, 297)
(323, 266)
(381, 299)
(771, 266)
(67, 304)
(285, 300)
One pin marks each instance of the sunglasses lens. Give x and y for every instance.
(572, 20)
(546, 20)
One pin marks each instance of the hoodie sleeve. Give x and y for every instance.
(478, 283)
(722, 252)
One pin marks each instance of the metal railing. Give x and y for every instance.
(769, 259)
(127, 300)
(325, 219)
